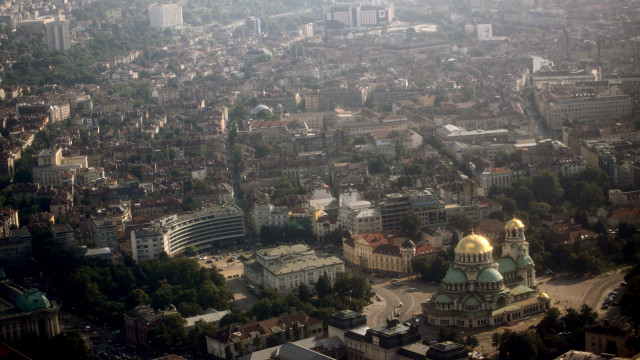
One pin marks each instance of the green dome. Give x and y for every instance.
(455, 276)
(524, 261)
(489, 275)
(506, 264)
(32, 299)
(471, 301)
(443, 299)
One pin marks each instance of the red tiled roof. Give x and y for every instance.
(387, 249)
(425, 250)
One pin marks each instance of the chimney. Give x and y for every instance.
(292, 310)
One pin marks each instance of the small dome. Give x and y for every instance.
(489, 275)
(514, 224)
(32, 299)
(455, 276)
(524, 261)
(473, 244)
(408, 244)
(259, 108)
(443, 299)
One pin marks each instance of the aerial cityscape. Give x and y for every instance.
(320, 179)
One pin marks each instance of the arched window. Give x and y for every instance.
(501, 301)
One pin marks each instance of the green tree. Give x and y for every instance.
(471, 342)
(547, 188)
(237, 155)
(137, 297)
(323, 286)
(236, 317)
(162, 297)
(196, 339)
(168, 336)
(262, 150)
(400, 149)
(378, 165)
(411, 225)
(460, 221)
(524, 345)
(190, 251)
(448, 334)
(468, 93)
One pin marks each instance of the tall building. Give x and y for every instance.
(103, 232)
(165, 16)
(58, 37)
(359, 16)
(485, 31)
(480, 292)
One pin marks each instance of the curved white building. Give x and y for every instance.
(205, 229)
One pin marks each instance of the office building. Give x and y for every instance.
(205, 229)
(165, 16)
(485, 31)
(58, 35)
(358, 15)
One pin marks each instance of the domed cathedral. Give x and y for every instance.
(478, 291)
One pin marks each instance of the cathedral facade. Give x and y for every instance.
(480, 291)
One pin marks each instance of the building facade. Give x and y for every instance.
(165, 16)
(379, 343)
(360, 15)
(104, 233)
(478, 291)
(16, 249)
(205, 229)
(58, 36)
(375, 252)
(270, 332)
(558, 106)
(26, 311)
(286, 267)
(269, 215)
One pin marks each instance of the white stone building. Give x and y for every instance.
(165, 16)
(286, 267)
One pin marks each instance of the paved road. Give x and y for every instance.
(392, 295)
(565, 291)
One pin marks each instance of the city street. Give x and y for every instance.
(565, 291)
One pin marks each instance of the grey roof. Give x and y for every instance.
(332, 343)
(290, 351)
(105, 251)
(208, 318)
(286, 266)
(20, 232)
(312, 342)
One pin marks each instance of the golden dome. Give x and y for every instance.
(473, 244)
(514, 224)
